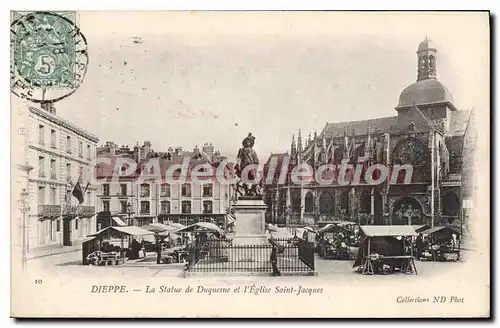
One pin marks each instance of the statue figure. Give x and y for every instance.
(247, 156)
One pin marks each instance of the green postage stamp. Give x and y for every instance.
(48, 55)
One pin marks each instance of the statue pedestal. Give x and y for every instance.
(250, 213)
(250, 231)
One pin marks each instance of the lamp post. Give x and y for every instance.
(25, 208)
(129, 212)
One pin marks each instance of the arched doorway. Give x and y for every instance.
(309, 203)
(450, 204)
(407, 211)
(326, 203)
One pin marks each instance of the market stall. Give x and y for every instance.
(207, 236)
(108, 246)
(333, 241)
(383, 250)
(441, 243)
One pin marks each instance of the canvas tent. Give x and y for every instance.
(383, 240)
(441, 230)
(202, 227)
(119, 232)
(334, 228)
(159, 228)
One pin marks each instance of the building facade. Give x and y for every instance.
(57, 151)
(427, 133)
(139, 202)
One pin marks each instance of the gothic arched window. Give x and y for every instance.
(410, 151)
(338, 155)
(359, 152)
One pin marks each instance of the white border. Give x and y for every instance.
(492, 5)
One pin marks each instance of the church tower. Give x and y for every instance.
(426, 60)
(433, 99)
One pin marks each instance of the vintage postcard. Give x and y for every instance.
(175, 164)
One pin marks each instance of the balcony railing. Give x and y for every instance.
(144, 194)
(145, 212)
(86, 211)
(53, 175)
(49, 210)
(83, 211)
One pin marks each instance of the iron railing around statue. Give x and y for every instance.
(224, 256)
(306, 252)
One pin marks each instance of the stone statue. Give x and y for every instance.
(247, 156)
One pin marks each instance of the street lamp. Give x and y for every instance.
(25, 208)
(129, 212)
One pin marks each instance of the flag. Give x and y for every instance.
(78, 193)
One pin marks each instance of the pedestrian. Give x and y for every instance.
(419, 245)
(158, 251)
(274, 258)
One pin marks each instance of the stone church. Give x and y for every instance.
(428, 132)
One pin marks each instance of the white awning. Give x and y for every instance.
(388, 230)
(119, 221)
(130, 231)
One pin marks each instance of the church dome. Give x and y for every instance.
(426, 91)
(426, 44)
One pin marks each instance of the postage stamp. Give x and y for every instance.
(48, 56)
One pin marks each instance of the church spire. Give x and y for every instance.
(299, 142)
(368, 145)
(293, 150)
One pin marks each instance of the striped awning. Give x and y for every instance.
(119, 221)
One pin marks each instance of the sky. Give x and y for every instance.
(197, 77)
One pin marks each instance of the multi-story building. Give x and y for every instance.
(57, 151)
(128, 199)
(427, 133)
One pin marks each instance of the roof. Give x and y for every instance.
(377, 125)
(158, 227)
(457, 124)
(332, 228)
(419, 228)
(107, 170)
(389, 230)
(439, 228)
(426, 44)
(202, 226)
(129, 231)
(428, 91)
(175, 225)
